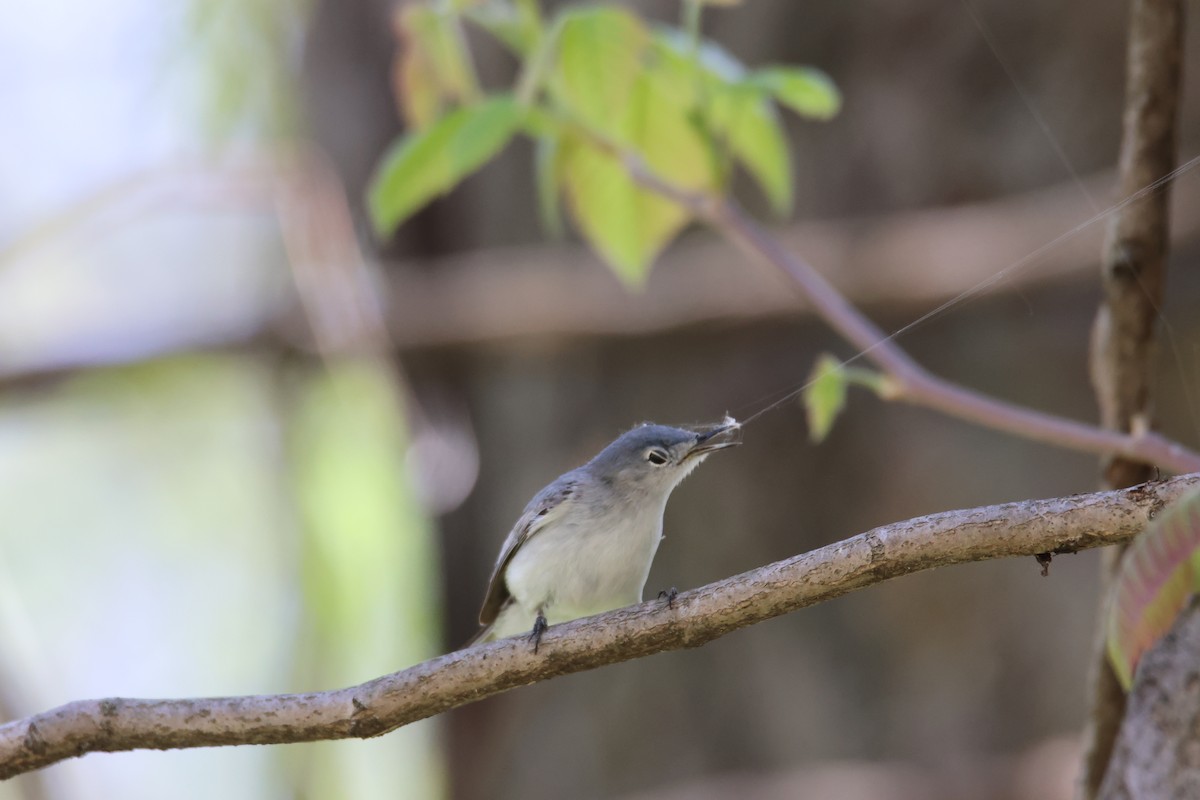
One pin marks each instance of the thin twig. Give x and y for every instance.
(1024, 528)
(911, 382)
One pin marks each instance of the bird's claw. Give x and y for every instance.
(539, 627)
(670, 595)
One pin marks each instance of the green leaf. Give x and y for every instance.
(807, 91)
(748, 125)
(628, 225)
(738, 115)
(435, 69)
(1158, 573)
(600, 52)
(423, 165)
(825, 396)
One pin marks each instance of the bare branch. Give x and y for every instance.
(1024, 528)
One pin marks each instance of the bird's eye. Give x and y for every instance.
(657, 457)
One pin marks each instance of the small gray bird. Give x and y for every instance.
(584, 543)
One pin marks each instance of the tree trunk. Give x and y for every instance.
(1125, 335)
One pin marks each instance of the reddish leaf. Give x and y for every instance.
(1157, 576)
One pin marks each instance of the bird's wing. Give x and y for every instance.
(546, 506)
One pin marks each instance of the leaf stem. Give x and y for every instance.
(535, 69)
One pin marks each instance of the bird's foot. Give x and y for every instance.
(539, 627)
(670, 595)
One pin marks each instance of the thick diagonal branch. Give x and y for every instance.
(1024, 528)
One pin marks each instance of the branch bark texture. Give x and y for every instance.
(1024, 528)
(1125, 336)
(1133, 275)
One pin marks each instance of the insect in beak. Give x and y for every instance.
(705, 441)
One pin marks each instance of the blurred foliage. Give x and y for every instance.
(247, 52)
(370, 574)
(597, 84)
(435, 68)
(182, 527)
(604, 88)
(517, 25)
(741, 120)
(1157, 576)
(146, 550)
(419, 168)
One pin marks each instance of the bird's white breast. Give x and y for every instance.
(584, 565)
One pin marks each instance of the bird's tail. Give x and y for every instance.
(501, 625)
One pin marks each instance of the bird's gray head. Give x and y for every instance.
(655, 458)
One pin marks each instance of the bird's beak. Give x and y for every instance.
(716, 438)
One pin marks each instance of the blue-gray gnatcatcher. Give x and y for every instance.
(584, 543)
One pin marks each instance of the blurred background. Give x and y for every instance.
(244, 448)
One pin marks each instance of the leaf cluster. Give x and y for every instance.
(596, 82)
